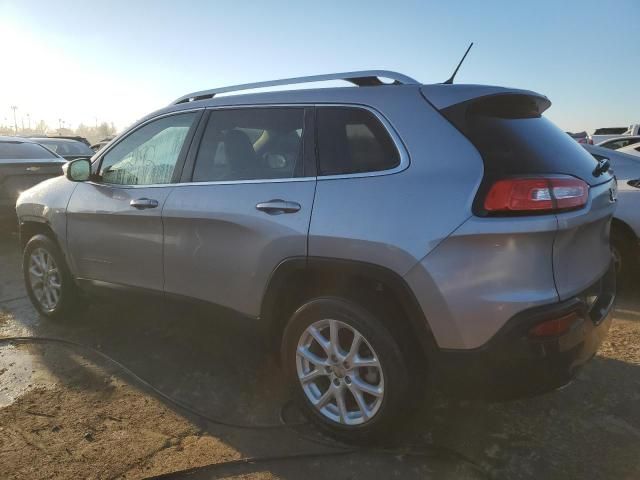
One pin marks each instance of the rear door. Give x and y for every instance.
(114, 223)
(243, 206)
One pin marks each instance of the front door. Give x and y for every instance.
(245, 208)
(114, 223)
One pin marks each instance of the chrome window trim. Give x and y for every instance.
(397, 141)
(221, 182)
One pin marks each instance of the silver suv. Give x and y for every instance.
(394, 236)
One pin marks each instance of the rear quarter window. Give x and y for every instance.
(352, 140)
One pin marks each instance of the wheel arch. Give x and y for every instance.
(625, 228)
(298, 279)
(30, 228)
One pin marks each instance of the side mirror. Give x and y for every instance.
(78, 170)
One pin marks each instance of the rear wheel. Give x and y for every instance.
(624, 255)
(347, 370)
(47, 279)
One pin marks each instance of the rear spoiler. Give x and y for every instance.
(442, 96)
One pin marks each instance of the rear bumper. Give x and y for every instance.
(512, 364)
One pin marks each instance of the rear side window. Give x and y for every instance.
(251, 144)
(352, 140)
(23, 151)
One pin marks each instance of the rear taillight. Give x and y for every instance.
(555, 327)
(521, 195)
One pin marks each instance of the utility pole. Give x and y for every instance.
(59, 124)
(15, 121)
(29, 120)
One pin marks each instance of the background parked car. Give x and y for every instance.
(625, 227)
(602, 134)
(66, 148)
(23, 164)
(619, 142)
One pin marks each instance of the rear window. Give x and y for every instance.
(514, 139)
(616, 144)
(70, 147)
(23, 151)
(352, 140)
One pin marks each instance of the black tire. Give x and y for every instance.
(625, 254)
(70, 300)
(398, 399)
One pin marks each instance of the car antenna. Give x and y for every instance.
(453, 75)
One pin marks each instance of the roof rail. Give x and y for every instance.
(365, 78)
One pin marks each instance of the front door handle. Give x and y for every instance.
(277, 206)
(143, 203)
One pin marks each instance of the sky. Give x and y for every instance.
(116, 61)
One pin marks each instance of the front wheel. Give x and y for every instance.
(347, 370)
(48, 281)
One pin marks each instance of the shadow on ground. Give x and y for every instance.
(220, 366)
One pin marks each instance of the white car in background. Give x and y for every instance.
(602, 134)
(619, 142)
(633, 149)
(625, 226)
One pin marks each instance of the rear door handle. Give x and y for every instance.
(277, 206)
(143, 203)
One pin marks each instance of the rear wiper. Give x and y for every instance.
(603, 166)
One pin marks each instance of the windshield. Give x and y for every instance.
(67, 147)
(23, 151)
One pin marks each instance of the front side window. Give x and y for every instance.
(148, 155)
(352, 140)
(251, 144)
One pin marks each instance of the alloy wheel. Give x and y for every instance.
(45, 279)
(340, 373)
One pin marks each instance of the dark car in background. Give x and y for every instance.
(97, 146)
(23, 164)
(67, 148)
(72, 137)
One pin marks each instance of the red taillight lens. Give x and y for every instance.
(555, 326)
(536, 195)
